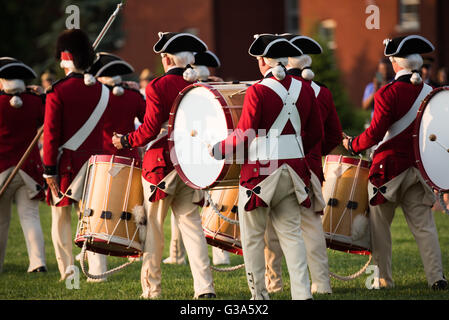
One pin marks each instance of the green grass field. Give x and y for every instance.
(177, 284)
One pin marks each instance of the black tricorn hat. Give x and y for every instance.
(404, 46)
(207, 58)
(306, 44)
(77, 43)
(174, 42)
(11, 68)
(109, 65)
(273, 46)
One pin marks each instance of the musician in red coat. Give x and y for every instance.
(125, 103)
(394, 178)
(72, 133)
(21, 114)
(278, 128)
(162, 186)
(300, 68)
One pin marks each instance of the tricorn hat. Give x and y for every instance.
(11, 68)
(174, 42)
(404, 46)
(109, 65)
(76, 44)
(273, 46)
(306, 44)
(207, 58)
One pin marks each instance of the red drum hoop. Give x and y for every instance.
(430, 142)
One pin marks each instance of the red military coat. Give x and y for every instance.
(261, 107)
(160, 95)
(331, 126)
(393, 157)
(18, 127)
(119, 117)
(68, 105)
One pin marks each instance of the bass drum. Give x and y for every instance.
(202, 115)
(431, 139)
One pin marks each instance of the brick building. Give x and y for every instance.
(227, 26)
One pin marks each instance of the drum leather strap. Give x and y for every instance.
(275, 146)
(316, 88)
(403, 123)
(81, 135)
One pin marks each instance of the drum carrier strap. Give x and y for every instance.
(403, 123)
(275, 146)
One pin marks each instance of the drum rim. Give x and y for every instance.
(416, 145)
(106, 158)
(334, 158)
(171, 143)
(117, 240)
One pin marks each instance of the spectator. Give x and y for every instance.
(442, 77)
(47, 79)
(145, 77)
(383, 75)
(427, 72)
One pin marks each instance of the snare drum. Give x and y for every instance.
(345, 191)
(204, 114)
(222, 229)
(112, 194)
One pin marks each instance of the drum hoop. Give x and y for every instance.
(171, 144)
(102, 237)
(347, 160)
(106, 158)
(417, 127)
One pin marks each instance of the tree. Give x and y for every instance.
(33, 27)
(326, 69)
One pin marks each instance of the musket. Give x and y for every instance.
(41, 129)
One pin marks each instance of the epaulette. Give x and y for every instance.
(54, 84)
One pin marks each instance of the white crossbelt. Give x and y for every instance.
(81, 135)
(275, 146)
(403, 123)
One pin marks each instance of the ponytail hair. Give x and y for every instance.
(413, 63)
(304, 63)
(185, 59)
(278, 67)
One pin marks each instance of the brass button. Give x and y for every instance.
(159, 159)
(255, 169)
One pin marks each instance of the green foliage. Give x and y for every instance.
(33, 27)
(325, 67)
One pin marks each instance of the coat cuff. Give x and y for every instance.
(50, 170)
(216, 152)
(124, 140)
(350, 149)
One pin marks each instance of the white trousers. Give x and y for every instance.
(187, 217)
(28, 211)
(317, 260)
(284, 212)
(61, 234)
(418, 214)
(178, 252)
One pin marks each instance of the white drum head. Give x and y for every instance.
(199, 121)
(433, 140)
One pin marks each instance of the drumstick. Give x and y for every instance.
(433, 138)
(194, 134)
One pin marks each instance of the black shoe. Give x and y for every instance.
(440, 285)
(207, 296)
(39, 269)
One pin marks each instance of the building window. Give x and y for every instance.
(409, 18)
(291, 16)
(327, 32)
